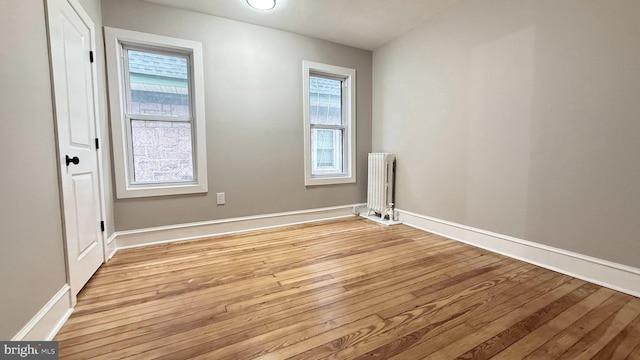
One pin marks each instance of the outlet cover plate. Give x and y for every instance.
(220, 198)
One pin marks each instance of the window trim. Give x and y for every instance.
(115, 41)
(348, 76)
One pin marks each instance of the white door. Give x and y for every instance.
(70, 39)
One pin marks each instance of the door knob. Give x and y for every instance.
(74, 160)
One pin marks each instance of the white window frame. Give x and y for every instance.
(348, 78)
(116, 41)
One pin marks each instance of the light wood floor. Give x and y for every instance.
(342, 290)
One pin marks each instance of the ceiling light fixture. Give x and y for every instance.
(262, 4)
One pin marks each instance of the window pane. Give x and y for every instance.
(159, 84)
(325, 100)
(326, 151)
(162, 151)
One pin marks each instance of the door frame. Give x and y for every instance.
(84, 17)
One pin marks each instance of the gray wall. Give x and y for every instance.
(32, 267)
(522, 118)
(253, 90)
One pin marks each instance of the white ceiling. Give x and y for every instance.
(365, 24)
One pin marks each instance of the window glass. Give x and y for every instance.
(162, 151)
(327, 150)
(158, 83)
(325, 101)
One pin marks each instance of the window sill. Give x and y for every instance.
(329, 180)
(164, 190)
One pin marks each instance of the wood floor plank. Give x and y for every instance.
(500, 297)
(604, 333)
(542, 334)
(556, 346)
(510, 335)
(407, 326)
(159, 334)
(352, 300)
(341, 289)
(268, 342)
(622, 345)
(448, 287)
(456, 348)
(553, 283)
(438, 330)
(418, 348)
(635, 354)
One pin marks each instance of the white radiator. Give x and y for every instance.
(380, 186)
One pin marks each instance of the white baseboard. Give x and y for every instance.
(200, 230)
(111, 238)
(602, 272)
(48, 321)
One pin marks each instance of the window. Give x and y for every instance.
(329, 123)
(157, 108)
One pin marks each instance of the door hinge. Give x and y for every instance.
(91, 56)
(97, 144)
(102, 226)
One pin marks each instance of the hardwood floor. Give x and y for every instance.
(347, 289)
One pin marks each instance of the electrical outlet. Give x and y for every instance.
(220, 200)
